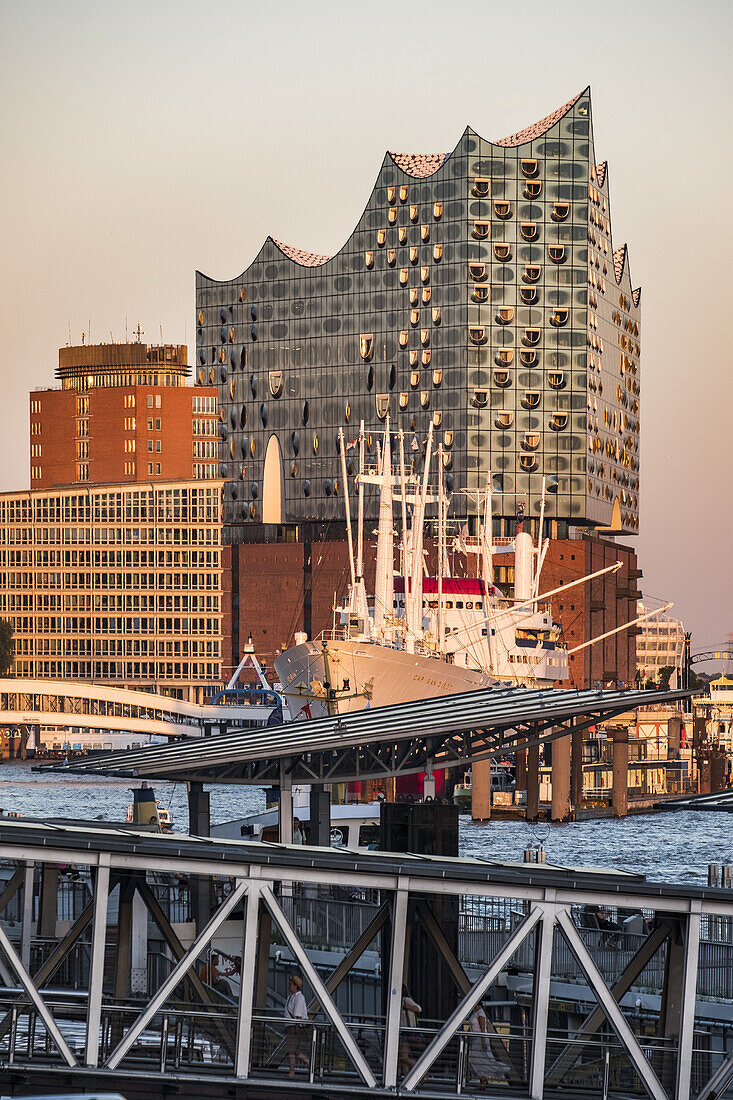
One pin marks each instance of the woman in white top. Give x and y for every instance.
(296, 1014)
(408, 1018)
(481, 1061)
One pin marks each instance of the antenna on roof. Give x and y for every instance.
(161, 334)
(138, 332)
(68, 342)
(127, 338)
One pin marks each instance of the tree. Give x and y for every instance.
(664, 677)
(7, 646)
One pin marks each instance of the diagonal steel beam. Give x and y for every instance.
(463, 982)
(394, 991)
(318, 987)
(541, 1002)
(40, 1006)
(372, 929)
(607, 1001)
(96, 964)
(569, 1056)
(182, 966)
(720, 1080)
(14, 884)
(464, 1008)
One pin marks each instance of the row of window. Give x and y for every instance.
(120, 672)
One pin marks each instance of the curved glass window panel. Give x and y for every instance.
(316, 444)
(414, 295)
(392, 216)
(404, 193)
(532, 189)
(404, 276)
(531, 336)
(504, 357)
(438, 253)
(502, 208)
(559, 317)
(480, 398)
(502, 252)
(528, 295)
(391, 195)
(425, 398)
(502, 377)
(366, 345)
(437, 418)
(436, 315)
(391, 256)
(560, 211)
(477, 271)
(369, 259)
(425, 233)
(415, 379)
(528, 462)
(437, 377)
(531, 399)
(404, 398)
(528, 358)
(437, 210)
(477, 334)
(347, 412)
(531, 440)
(505, 315)
(424, 275)
(413, 358)
(530, 167)
(276, 382)
(402, 234)
(557, 253)
(382, 403)
(414, 255)
(504, 419)
(426, 357)
(529, 231)
(414, 317)
(531, 273)
(481, 230)
(480, 294)
(426, 295)
(424, 336)
(413, 212)
(381, 237)
(481, 187)
(448, 439)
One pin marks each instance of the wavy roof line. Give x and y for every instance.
(619, 261)
(419, 165)
(537, 129)
(305, 259)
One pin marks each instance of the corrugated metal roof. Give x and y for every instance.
(449, 730)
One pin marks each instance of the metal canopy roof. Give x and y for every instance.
(445, 732)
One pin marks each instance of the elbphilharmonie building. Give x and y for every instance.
(482, 291)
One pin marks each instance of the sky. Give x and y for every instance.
(141, 141)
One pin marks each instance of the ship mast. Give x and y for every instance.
(384, 581)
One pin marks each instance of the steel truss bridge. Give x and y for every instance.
(66, 704)
(79, 1008)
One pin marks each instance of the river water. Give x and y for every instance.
(671, 847)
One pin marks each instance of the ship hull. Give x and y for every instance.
(362, 674)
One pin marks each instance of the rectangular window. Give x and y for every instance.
(157, 467)
(150, 400)
(157, 446)
(150, 423)
(157, 400)
(157, 423)
(150, 467)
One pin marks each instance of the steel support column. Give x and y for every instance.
(394, 992)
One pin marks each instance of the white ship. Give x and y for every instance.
(422, 636)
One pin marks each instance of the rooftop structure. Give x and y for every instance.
(123, 413)
(481, 290)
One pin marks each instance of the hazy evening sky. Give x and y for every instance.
(143, 140)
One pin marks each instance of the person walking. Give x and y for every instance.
(296, 1014)
(481, 1061)
(408, 1018)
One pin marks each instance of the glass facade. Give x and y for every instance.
(481, 291)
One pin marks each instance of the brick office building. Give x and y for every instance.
(123, 414)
